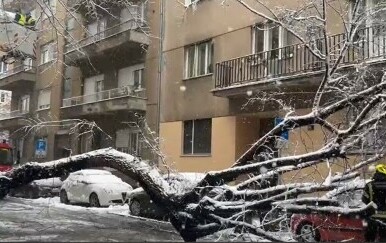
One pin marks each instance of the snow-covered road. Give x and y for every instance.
(48, 220)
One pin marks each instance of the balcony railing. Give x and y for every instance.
(18, 69)
(131, 24)
(369, 43)
(12, 114)
(127, 91)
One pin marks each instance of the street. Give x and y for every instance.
(48, 220)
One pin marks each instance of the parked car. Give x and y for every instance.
(94, 187)
(140, 203)
(330, 227)
(38, 188)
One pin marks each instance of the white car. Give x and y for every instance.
(95, 187)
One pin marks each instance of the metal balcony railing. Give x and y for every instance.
(131, 24)
(12, 114)
(128, 91)
(18, 69)
(369, 43)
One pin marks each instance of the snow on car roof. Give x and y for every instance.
(50, 182)
(92, 172)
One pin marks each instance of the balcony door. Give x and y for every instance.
(24, 104)
(92, 88)
(133, 16)
(97, 29)
(267, 41)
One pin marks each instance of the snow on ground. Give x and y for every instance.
(55, 202)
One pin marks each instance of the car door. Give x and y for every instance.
(83, 189)
(70, 187)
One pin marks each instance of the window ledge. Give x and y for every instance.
(43, 109)
(46, 63)
(196, 155)
(200, 76)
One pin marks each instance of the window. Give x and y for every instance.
(198, 59)
(49, 8)
(98, 86)
(44, 99)
(27, 64)
(48, 52)
(24, 104)
(2, 97)
(268, 37)
(138, 78)
(197, 136)
(133, 12)
(128, 141)
(97, 29)
(3, 68)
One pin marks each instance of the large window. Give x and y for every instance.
(44, 100)
(198, 59)
(197, 136)
(138, 78)
(128, 141)
(269, 37)
(3, 68)
(24, 104)
(48, 52)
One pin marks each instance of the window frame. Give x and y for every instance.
(3, 68)
(24, 105)
(48, 53)
(44, 106)
(2, 97)
(141, 72)
(209, 52)
(267, 31)
(192, 149)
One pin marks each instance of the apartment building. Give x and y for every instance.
(215, 57)
(104, 78)
(35, 84)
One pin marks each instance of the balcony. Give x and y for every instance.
(128, 37)
(295, 65)
(13, 120)
(18, 78)
(105, 102)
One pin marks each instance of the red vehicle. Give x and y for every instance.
(331, 227)
(6, 158)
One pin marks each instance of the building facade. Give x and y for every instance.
(218, 59)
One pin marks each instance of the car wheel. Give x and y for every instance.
(94, 200)
(63, 197)
(308, 233)
(135, 207)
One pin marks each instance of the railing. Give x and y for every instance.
(18, 69)
(131, 24)
(105, 95)
(12, 114)
(369, 43)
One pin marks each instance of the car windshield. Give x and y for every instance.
(102, 179)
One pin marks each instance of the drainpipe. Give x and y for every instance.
(160, 66)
